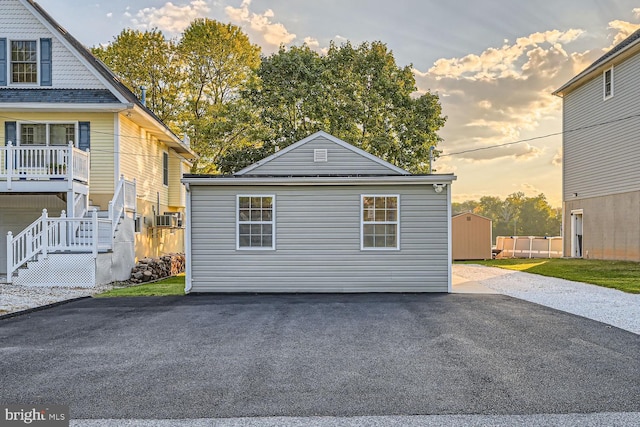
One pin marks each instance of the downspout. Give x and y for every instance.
(187, 242)
(449, 252)
(116, 150)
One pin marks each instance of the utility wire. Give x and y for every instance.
(471, 150)
(541, 136)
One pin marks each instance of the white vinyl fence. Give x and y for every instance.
(528, 247)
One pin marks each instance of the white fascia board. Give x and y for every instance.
(593, 70)
(287, 181)
(65, 107)
(172, 139)
(330, 138)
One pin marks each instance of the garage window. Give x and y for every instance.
(380, 222)
(255, 222)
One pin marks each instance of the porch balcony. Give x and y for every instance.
(42, 169)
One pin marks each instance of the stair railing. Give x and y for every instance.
(46, 235)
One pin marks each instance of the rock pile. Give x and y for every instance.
(149, 269)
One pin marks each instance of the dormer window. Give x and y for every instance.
(607, 78)
(24, 61)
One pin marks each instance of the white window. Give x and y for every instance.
(380, 222)
(255, 222)
(47, 134)
(607, 78)
(24, 61)
(165, 168)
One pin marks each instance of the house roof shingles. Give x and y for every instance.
(76, 96)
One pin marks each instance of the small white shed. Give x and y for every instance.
(319, 216)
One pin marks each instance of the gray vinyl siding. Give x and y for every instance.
(603, 160)
(341, 161)
(318, 242)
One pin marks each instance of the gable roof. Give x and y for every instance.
(470, 213)
(117, 88)
(331, 138)
(626, 47)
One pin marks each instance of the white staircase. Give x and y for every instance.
(63, 251)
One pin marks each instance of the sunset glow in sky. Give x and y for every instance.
(494, 63)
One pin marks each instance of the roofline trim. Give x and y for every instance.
(63, 106)
(593, 68)
(334, 180)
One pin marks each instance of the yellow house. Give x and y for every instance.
(89, 177)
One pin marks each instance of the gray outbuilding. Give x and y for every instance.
(319, 216)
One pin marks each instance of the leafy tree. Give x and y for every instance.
(358, 94)
(219, 62)
(147, 59)
(538, 218)
(466, 206)
(516, 215)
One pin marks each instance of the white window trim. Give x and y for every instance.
(272, 222)
(48, 136)
(9, 62)
(604, 84)
(397, 223)
(166, 185)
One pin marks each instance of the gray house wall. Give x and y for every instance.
(601, 175)
(341, 161)
(318, 241)
(611, 226)
(602, 160)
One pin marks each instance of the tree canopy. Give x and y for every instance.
(358, 94)
(516, 215)
(237, 107)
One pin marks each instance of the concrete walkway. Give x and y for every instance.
(609, 306)
(461, 285)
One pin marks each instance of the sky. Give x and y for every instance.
(493, 63)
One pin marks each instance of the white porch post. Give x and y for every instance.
(9, 165)
(45, 234)
(70, 168)
(9, 257)
(64, 229)
(94, 228)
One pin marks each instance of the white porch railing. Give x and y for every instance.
(123, 198)
(78, 235)
(43, 162)
(47, 235)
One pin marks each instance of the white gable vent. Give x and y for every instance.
(320, 155)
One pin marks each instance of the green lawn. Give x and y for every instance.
(622, 275)
(169, 286)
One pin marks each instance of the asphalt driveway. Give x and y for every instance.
(316, 355)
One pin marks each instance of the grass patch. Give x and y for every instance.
(621, 275)
(169, 286)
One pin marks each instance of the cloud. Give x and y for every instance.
(503, 95)
(503, 61)
(529, 189)
(311, 42)
(557, 158)
(110, 14)
(170, 17)
(623, 29)
(260, 25)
